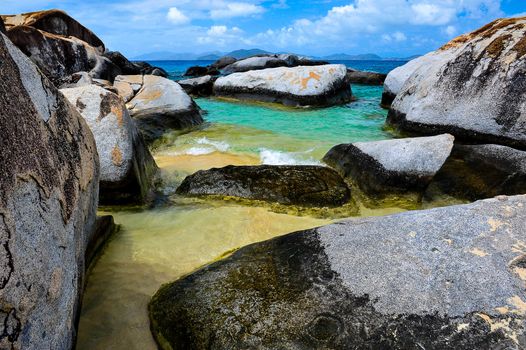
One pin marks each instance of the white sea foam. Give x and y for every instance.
(206, 146)
(272, 157)
(218, 145)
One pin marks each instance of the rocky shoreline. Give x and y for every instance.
(78, 122)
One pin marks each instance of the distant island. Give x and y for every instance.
(244, 53)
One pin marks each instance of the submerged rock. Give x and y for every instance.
(300, 86)
(444, 278)
(483, 171)
(59, 57)
(391, 166)
(48, 204)
(296, 185)
(473, 88)
(55, 22)
(202, 86)
(127, 167)
(161, 105)
(366, 78)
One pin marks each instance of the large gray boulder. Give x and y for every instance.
(160, 105)
(473, 88)
(127, 167)
(48, 203)
(300, 86)
(392, 166)
(483, 171)
(448, 278)
(255, 63)
(59, 56)
(311, 186)
(202, 86)
(223, 62)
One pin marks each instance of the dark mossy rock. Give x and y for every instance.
(105, 227)
(483, 171)
(2, 26)
(387, 99)
(127, 67)
(432, 279)
(366, 78)
(285, 184)
(148, 69)
(199, 71)
(397, 166)
(202, 86)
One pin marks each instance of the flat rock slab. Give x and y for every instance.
(392, 166)
(299, 86)
(483, 171)
(473, 88)
(448, 278)
(160, 105)
(295, 185)
(127, 167)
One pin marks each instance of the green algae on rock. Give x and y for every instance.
(299, 185)
(443, 278)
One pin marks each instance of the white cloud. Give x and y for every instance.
(396, 36)
(236, 9)
(221, 35)
(175, 16)
(450, 31)
(431, 14)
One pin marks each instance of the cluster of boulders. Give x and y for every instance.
(442, 278)
(74, 132)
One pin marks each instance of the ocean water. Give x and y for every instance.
(160, 244)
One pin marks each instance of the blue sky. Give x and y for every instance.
(387, 27)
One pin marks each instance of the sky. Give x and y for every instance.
(390, 28)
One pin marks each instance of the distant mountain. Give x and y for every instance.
(402, 58)
(239, 54)
(210, 57)
(346, 57)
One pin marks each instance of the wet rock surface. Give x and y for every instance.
(295, 185)
(483, 171)
(391, 166)
(127, 167)
(160, 105)
(300, 86)
(472, 88)
(436, 279)
(48, 203)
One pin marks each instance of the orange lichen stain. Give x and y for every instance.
(502, 310)
(119, 114)
(332, 70)
(518, 304)
(521, 272)
(116, 156)
(520, 47)
(495, 224)
(305, 81)
(500, 325)
(478, 252)
(498, 45)
(149, 95)
(519, 247)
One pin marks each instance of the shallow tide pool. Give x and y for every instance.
(159, 245)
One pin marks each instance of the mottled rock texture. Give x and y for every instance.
(483, 171)
(202, 86)
(55, 22)
(160, 105)
(127, 169)
(48, 203)
(448, 278)
(223, 62)
(392, 166)
(198, 71)
(300, 86)
(314, 186)
(473, 88)
(269, 61)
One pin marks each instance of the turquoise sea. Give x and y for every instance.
(157, 245)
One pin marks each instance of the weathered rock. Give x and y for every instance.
(48, 204)
(366, 78)
(59, 57)
(255, 63)
(199, 71)
(483, 171)
(448, 278)
(2, 26)
(55, 22)
(391, 166)
(473, 89)
(223, 62)
(202, 86)
(300, 86)
(148, 69)
(75, 80)
(127, 167)
(295, 185)
(127, 67)
(161, 105)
